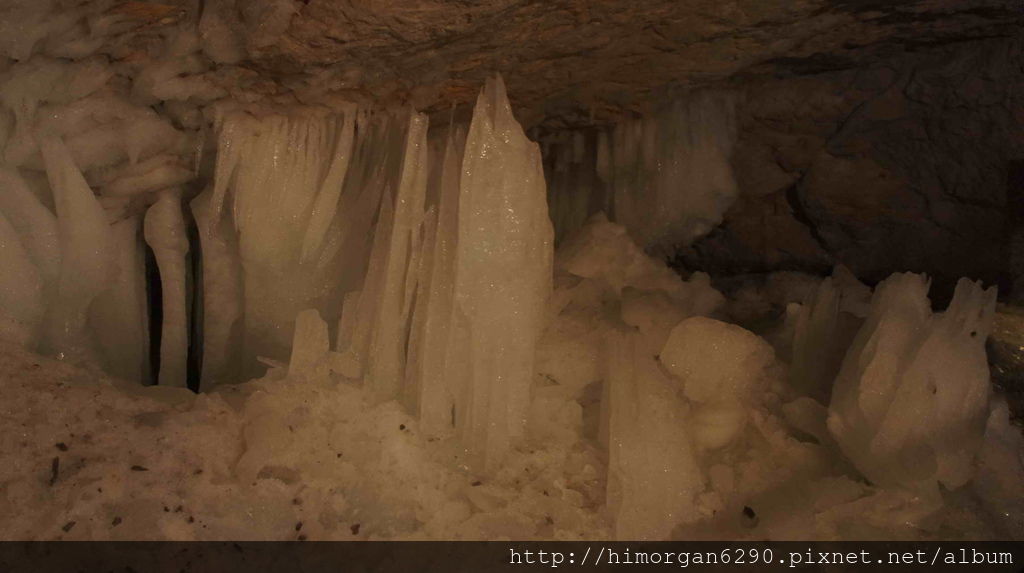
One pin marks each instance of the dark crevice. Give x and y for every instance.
(194, 290)
(801, 215)
(155, 316)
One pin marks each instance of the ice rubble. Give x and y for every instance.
(664, 176)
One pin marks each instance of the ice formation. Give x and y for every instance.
(502, 277)
(665, 176)
(388, 346)
(165, 234)
(910, 402)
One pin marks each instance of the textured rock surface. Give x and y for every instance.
(570, 61)
(570, 57)
(903, 165)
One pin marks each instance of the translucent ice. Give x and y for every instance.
(431, 391)
(87, 257)
(666, 176)
(502, 275)
(386, 367)
(910, 403)
(165, 234)
(653, 474)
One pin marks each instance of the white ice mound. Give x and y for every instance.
(910, 403)
(603, 277)
(716, 361)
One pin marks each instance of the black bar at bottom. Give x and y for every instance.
(336, 557)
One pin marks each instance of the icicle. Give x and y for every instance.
(165, 234)
(327, 199)
(503, 274)
(86, 254)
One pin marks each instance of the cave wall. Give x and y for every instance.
(906, 164)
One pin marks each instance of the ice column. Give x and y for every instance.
(398, 262)
(431, 391)
(87, 259)
(909, 404)
(165, 234)
(502, 275)
(222, 296)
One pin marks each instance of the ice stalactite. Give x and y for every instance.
(575, 192)
(665, 176)
(165, 234)
(284, 175)
(910, 402)
(502, 277)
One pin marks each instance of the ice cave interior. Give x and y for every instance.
(312, 269)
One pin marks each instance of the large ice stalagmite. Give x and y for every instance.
(87, 259)
(910, 402)
(165, 233)
(502, 276)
